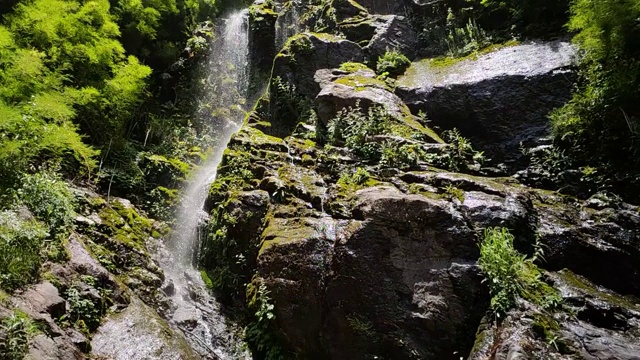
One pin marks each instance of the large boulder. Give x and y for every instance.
(499, 100)
(603, 325)
(399, 272)
(595, 239)
(139, 333)
(306, 53)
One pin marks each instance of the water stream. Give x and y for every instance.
(193, 309)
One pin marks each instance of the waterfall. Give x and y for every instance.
(193, 309)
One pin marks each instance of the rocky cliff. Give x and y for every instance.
(349, 204)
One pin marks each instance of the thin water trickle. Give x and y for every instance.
(288, 23)
(193, 309)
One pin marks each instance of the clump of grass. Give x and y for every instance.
(352, 67)
(360, 178)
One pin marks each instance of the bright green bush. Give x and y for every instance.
(20, 243)
(355, 130)
(511, 275)
(393, 63)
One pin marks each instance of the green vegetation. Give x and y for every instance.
(49, 198)
(599, 128)
(20, 244)
(355, 130)
(458, 156)
(354, 181)
(38, 216)
(459, 28)
(511, 275)
(454, 193)
(15, 332)
(392, 63)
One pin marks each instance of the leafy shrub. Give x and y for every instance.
(459, 156)
(393, 63)
(599, 127)
(83, 312)
(399, 156)
(20, 243)
(49, 198)
(15, 332)
(511, 275)
(359, 177)
(465, 40)
(287, 105)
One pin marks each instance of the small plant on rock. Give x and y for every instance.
(260, 333)
(512, 275)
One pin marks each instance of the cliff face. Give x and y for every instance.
(359, 219)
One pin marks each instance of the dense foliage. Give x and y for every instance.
(598, 130)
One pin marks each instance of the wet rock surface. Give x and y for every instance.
(499, 100)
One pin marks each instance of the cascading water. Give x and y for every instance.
(192, 308)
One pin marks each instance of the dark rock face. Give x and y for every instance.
(389, 270)
(391, 274)
(383, 6)
(262, 37)
(384, 266)
(500, 100)
(593, 243)
(307, 53)
(381, 33)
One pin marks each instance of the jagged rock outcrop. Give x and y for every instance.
(598, 325)
(499, 100)
(84, 307)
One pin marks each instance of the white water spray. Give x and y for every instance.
(193, 309)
